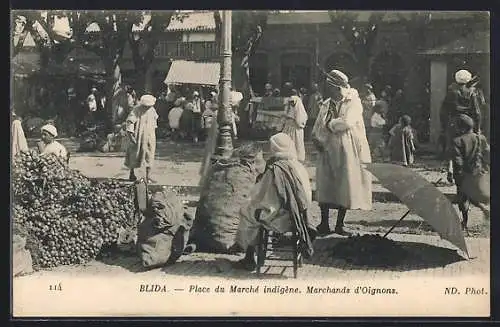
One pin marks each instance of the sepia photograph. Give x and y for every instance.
(237, 163)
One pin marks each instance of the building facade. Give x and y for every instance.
(293, 43)
(420, 60)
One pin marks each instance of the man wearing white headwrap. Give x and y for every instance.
(141, 127)
(339, 134)
(461, 98)
(280, 201)
(49, 145)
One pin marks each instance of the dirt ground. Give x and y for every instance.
(178, 164)
(427, 255)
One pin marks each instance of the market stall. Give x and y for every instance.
(266, 115)
(201, 75)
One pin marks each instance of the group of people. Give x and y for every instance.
(390, 134)
(282, 198)
(193, 119)
(466, 148)
(47, 145)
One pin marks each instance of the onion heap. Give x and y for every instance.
(67, 218)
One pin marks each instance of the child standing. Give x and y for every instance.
(174, 118)
(208, 117)
(469, 154)
(376, 132)
(402, 142)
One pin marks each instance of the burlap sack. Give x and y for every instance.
(226, 189)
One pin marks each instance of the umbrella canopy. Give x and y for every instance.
(423, 198)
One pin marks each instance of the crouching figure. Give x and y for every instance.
(163, 234)
(280, 202)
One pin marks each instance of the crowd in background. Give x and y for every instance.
(387, 124)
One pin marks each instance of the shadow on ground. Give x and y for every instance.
(196, 264)
(220, 266)
(128, 261)
(416, 227)
(417, 256)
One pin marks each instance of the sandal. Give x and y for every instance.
(323, 230)
(244, 264)
(190, 248)
(342, 232)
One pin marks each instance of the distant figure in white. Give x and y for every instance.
(235, 100)
(19, 143)
(295, 122)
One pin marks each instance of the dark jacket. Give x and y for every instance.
(469, 153)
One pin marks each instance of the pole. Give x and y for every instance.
(397, 223)
(316, 55)
(224, 115)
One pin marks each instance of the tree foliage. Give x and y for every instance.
(360, 35)
(413, 24)
(52, 45)
(244, 25)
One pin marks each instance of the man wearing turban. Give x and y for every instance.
(141, 127)
(340, 137)
(49, 145)
(280, 202)
(461, 98)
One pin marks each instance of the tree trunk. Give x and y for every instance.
(144, 80)
(140, 81)
(113, 84)
(148, 80)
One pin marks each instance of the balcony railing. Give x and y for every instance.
(187, 50)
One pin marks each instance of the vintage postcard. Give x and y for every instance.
(250, 163)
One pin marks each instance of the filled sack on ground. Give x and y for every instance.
(22, 262)
(164, 232)
(225, 190)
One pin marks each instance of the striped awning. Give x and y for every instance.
(193, 21)
(193, 72)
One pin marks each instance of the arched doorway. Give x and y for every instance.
(388, 69)
(258, 72)
(296, 68)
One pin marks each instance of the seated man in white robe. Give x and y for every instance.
(49, 145)
(280, 202)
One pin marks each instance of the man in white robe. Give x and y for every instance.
(340, 137)
(141, 127)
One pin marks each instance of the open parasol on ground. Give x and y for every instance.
(425, 199)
